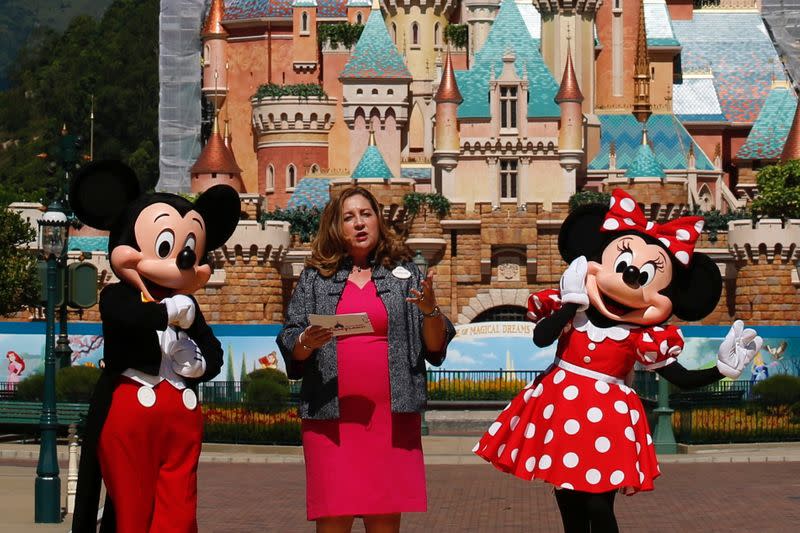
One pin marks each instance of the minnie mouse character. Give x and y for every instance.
(579, 426)
(144, 427)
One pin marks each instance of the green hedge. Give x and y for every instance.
(287, 433)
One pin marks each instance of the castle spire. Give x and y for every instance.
(569, 90)
(641, 77)
(448, 87)
(216, 164)
(213, 23)
(791, 148)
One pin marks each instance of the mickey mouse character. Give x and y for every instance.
(144, 427)
(579, 426)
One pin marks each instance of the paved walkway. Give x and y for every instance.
(754, 488)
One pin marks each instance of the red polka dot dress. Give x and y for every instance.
(579, 426)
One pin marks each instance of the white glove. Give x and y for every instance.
(187, 360)
(180, 310)
(573, 284)
(737, 350)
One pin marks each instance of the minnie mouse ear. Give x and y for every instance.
(220, 207)
(101, 190)
(580, 233)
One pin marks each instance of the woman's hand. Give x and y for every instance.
(314, 337)
(425, 299)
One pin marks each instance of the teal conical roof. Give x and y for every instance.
(645, 165)
(375, 56)
(372, 164)
(508, 34)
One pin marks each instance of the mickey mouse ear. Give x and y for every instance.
(101, 190)
(220, 207)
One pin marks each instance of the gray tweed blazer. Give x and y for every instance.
(316, 294)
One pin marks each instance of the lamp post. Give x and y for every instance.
(53, 238)
(664, 437)
(422, 265)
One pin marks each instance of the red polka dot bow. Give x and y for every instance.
(679, 235)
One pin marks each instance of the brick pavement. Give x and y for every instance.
(702, 497)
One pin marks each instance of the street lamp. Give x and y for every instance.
(53, 228)
(664, 437)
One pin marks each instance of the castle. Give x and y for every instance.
(677, 102)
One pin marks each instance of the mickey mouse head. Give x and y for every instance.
(638, 271)
(158, 242)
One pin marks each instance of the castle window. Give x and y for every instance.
(358, 18)
(359, 91)
(270, 178)
(315, 169)
(414, 34)
(508, 179)
(394, 33)
(304, 22)
(508, 107)
(291, 178)
(436, 29)
(375, 91)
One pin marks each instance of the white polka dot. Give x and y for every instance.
(545, 462)
(514, 422)
(621, 407)
(593, 476)
(682, 256)
(638, 448)
(641, 477)
(594, 414)
(628, 221)
(548, 411)
(530, 430)
(682, 235)
(649, 439)
(664, 241)
(587, 359)
(638, 468)
(658, 328)
(663, 347)
(601, 387)
(571, 392)
(625, 389)
(681, 334)
(592, 346)
(527, 395)
(559, 377)
(530, 464)
(475, 448)
(649, 225)
(567, 486)
(612, 202)
(530, 384)
(548, 436)
(494, 427)
(514, 453)
(572, 426)
(629, 434)
(602, 444)
(611, 224)
(538, 390)
(507, 406)
(617, 477)
(698, 226)
(634, 416)
(570, 460)
(500, 449)
(627, 204)
(647, 338)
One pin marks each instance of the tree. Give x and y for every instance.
(19, 281)
(778, 191)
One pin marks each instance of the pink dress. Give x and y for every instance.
(580, 426)
(369, 461)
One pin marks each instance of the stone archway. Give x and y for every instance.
(488, 298)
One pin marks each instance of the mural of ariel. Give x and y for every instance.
(16, 366)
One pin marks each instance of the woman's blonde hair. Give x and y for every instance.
(328, 247)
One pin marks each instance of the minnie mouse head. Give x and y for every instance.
(158, 242)
(640, 272)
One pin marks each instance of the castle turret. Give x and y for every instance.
(479, 16)
(447, 98)
(641, 76)
(216, 165)
(570, 134)
(358, 11)
(215, 49)
(304, 38)
(375, 90)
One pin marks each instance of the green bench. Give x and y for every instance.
(19, 413)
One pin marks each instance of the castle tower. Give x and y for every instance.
(570, 133)
(215, 45)
(304, 39)
(375, 92)
(641, 76)
(216, 165)
(479, 16)
(570, 24)
(358, 11)
(448, 141)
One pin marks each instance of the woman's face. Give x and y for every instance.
(359, 226)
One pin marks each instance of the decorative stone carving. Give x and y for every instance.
(508, 268)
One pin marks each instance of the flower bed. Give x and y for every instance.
(706, 425)
(240, 425)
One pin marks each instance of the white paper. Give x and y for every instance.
(345, 324)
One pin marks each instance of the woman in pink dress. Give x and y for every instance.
(362, 393)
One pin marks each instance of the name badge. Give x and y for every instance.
(400, 272)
